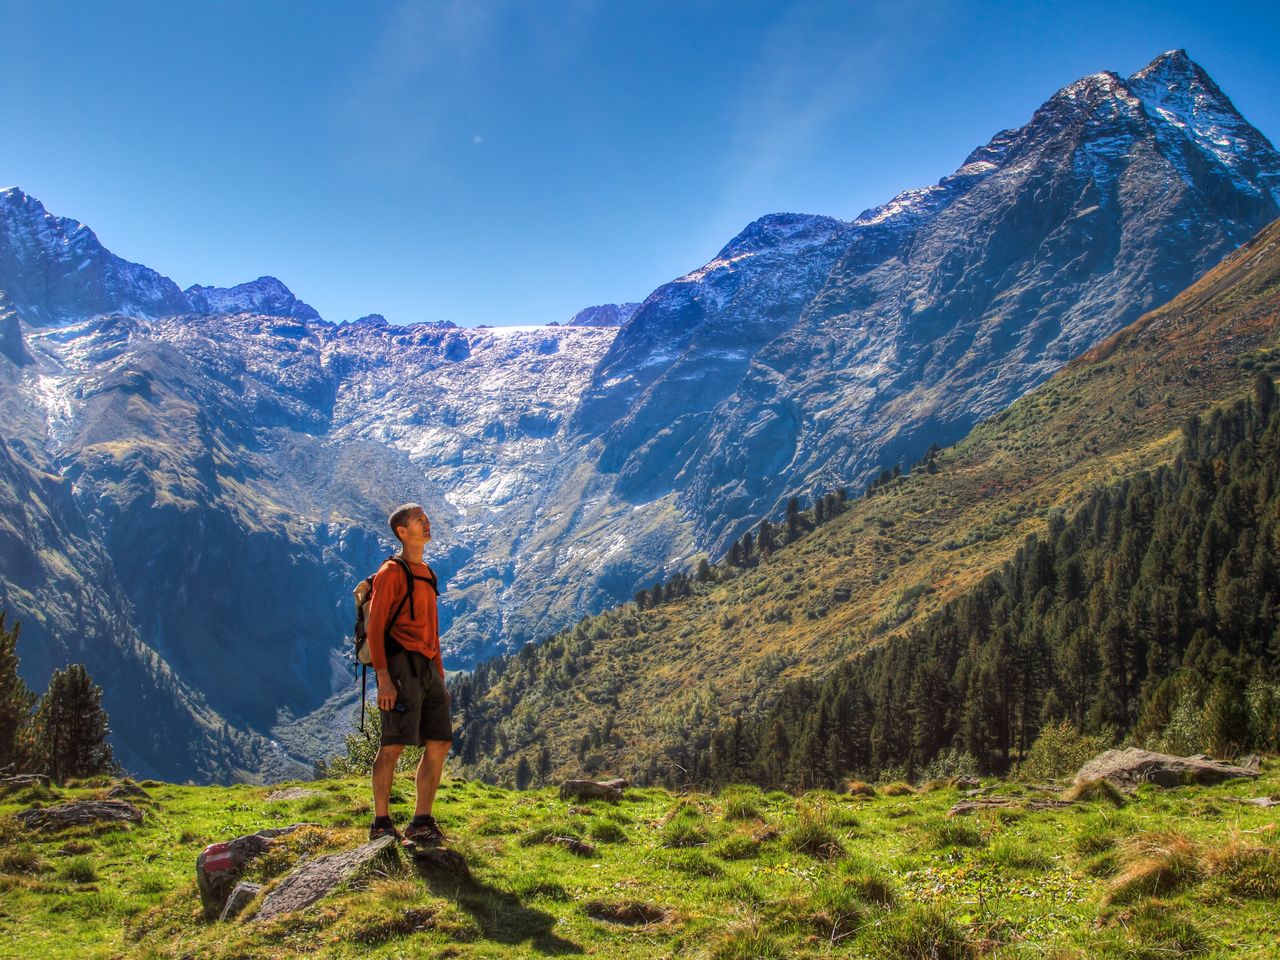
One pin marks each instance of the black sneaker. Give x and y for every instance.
(425, 832)
(385, 830)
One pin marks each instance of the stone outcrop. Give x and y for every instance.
(220, 865)
(80, 813)
(1128, 769)
(315, 878)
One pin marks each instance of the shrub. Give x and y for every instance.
(684, 831)
(606, 831)
(695, 863)
(1061, 750)
(857, 788)
(1156, 863)
(922, 933)
(1248, 871)
(899, 788)
(953, 832)
(78, 870)
(740, 807)
(810, 834)
(949, 764)
(833, 910)
(1086, 791)
(747, 942)
(739, 846)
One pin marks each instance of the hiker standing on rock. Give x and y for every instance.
(410, 671)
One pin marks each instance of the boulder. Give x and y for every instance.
(25, 780)
(1130, 768)
(121, 790)
(590, 790)
(239, 898)
(220, 865)
(965, 807)
(80, 813)
(315, 878)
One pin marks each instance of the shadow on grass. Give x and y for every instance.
(499, 914)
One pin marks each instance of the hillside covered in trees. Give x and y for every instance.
(652, 690)
(1152, 612)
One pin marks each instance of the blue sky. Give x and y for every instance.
(511, 162)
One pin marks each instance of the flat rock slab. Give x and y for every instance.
(219, 865)
(317, 877)
(80, 813)
(1130, 768)
(590, 790)
(966, 807)
(294, 793)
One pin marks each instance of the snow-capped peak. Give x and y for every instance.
(266, 295)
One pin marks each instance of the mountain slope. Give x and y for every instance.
(653, 685)
(812, 353)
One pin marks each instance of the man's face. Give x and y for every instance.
(417, 528)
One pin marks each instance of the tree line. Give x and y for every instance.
(1152, 614)
(62, 734)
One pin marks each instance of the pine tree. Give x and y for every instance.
(16, 701)
(523, 773)
(71, 727)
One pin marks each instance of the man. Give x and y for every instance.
(410, 671)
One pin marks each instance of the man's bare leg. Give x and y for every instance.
(427, 778)
(384, 771)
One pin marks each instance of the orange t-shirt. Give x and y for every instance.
(421, 631)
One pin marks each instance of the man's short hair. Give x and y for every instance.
(400, 516)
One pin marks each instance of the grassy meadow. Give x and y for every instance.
(880, 871)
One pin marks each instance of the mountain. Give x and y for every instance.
(217, 445)
(812, 353)
(652, 692)
(54, 270)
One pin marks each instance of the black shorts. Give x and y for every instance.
(422, 702)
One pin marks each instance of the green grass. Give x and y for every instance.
(818, 875)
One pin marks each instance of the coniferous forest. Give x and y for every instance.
(1153, 614)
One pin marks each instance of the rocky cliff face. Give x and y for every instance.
(213, 467)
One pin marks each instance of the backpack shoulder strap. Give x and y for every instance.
(403, 564)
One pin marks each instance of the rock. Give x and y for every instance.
(590, 790)
(238, 899)
(315, 878)
(1252, 761)
(1130, 768)
(80, 813)
(121, 790)
(966, 783)
(294, 793)
(965, 807)
(1257, 801)
(573, 845)
(220, 865)
(25, 780)
(620, 782)
(443, 860)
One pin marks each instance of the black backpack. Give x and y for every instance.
(360, 632)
